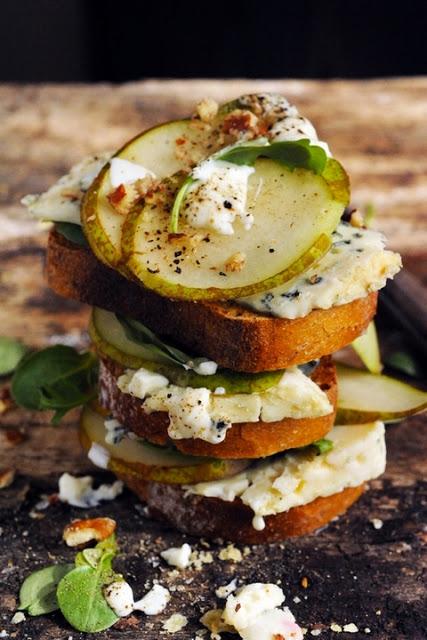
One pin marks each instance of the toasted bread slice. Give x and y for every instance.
(243, 440)
(234, 337)
(215, 518)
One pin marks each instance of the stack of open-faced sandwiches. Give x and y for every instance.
(224, 268)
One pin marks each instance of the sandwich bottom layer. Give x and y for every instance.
(273, 499)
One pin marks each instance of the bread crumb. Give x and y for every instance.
(175, 623)
(350, 628)
(213, 620)
(230, 553)
(207, 109)
(236, 262)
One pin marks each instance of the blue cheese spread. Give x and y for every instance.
(356, 265)
(295, 479)
(201, 413)
(62, 201)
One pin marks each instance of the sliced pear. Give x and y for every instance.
(365, 397)
(295, 213)
(152, 462)
(156, 150)
(110, 339)
(367, 348)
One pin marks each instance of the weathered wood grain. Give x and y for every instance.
(374, 578)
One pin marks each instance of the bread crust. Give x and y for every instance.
(243, 440)
(234, 337)
(215, 518)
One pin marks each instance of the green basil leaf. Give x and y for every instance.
(323, 445)
(140, 334)
(72, 232)
(11, 353)
(81, 599)
(292, 154)
(57, 378)
(38, 591)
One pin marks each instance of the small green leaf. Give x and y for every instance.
(291, 154)
(57, 378)
(81, 599)
(11, 353)
(174, 220)
(38, 592)
(72, 232)
(323, 445)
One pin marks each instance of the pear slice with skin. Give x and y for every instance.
(110, 340)
(366, 397)
(295, 213)
(152, 462)
(156, 150)
(367, 348)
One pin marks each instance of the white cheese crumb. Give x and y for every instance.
(315, 632)
(350, 628)
(336, 627)
(119, 596)
(367, 630)
(154, 601)
(204, 368)
(4, 633)
(249, 602)
(227, 589)
(114, 431)
(230, 553)
(125, 172)
(79, 492)
(177, 556)
(296, 599)
(175, 623)
(18, 618)
(99, 455)
(377, 523)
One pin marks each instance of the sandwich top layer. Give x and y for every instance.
(195, 210)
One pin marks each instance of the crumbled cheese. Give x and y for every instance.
(201, 413)
(175, 623)
(204, 368)
(125, 172)
(227, 589)
(177, 556)
(18, 617)
(61, 203)
(337, 628)
(253, 613)
(199, 558)
(350, 628)
(298, 478)
(79, 492)
(115, 431)
(230, 553)
(356, 265)
(119, 596)
(377, 523)
(249, 602)
(207, 109)
(217, 197)
(99, 455)
(154, 601)
(315, 632)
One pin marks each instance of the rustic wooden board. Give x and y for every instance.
(374, 578)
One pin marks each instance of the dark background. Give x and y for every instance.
(96, 40)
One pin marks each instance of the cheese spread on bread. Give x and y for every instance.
(62, 201)
(201, 413)
(356, 265)
(294, 479)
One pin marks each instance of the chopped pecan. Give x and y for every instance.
(80, 532)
